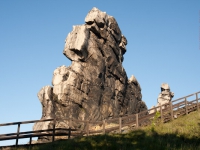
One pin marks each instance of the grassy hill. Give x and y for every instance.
(180, 134)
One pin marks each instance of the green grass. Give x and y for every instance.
(180, 134)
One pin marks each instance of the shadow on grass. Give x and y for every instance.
(137, 139)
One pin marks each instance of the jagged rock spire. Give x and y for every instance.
(95, 86)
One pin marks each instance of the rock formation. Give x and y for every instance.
(166, 95)
(95, 86)
(163, 98)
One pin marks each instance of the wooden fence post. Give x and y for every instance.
(155, 109)
(171, 110)
(136, 115)
(69, 133)
(30, 140)
(54, 126)
(120, 124)
(161, 118)
(70, 124)
(197, 101)
(18, 129)
(186, 108)
(104, 126)
(87, 128)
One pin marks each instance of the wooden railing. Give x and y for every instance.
(167, 112)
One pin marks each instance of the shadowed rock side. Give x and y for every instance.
(95, 86)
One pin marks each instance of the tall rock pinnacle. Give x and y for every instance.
(95, 86)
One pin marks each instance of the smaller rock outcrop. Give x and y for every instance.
(166, 95)
(46, 99)
(163, 98)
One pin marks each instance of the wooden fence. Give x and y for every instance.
(167, 112)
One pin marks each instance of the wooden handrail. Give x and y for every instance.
(185, 96)
(36, 135)
(25, 122)
(37, 131)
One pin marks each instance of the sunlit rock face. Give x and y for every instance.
(95, 86)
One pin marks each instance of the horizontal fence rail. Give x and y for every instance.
(167, 112)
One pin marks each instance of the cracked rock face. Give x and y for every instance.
(95, 86)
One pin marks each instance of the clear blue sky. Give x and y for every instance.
(163, 46)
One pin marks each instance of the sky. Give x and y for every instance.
(163, 47)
